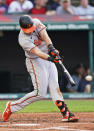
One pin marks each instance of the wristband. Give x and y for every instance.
(50, 46)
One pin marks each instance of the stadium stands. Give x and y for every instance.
(35, 6)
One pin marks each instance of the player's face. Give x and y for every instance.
(29, 30)
(84, 3)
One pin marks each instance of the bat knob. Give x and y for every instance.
(73, 84)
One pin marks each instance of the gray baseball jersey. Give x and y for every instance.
(27, 42)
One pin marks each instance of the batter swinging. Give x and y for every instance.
(40, 58)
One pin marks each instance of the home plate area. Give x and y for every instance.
(46, 122)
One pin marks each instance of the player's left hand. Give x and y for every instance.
(52, 51)
(54, 59)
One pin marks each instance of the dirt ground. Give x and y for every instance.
(46, 122)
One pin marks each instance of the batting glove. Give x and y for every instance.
(54, 59)
(53, 51)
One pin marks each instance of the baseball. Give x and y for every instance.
(88, 78)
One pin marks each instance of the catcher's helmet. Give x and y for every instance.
(26, 24)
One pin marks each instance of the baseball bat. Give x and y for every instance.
(70, 79)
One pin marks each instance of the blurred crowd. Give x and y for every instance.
(48, 7)
(82, 78)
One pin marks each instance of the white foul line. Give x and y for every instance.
(59, 128)
(29, 125)
(63, 128)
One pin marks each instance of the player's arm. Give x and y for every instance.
(36, 51)
(45, 37)
(41, 29)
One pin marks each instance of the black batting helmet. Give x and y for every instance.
(27, 24)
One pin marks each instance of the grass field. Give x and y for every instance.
(49, 106)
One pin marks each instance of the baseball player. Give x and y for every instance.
(40, 58)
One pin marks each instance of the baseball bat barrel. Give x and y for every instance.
(70, 79)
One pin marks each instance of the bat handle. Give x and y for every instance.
(60, 62)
